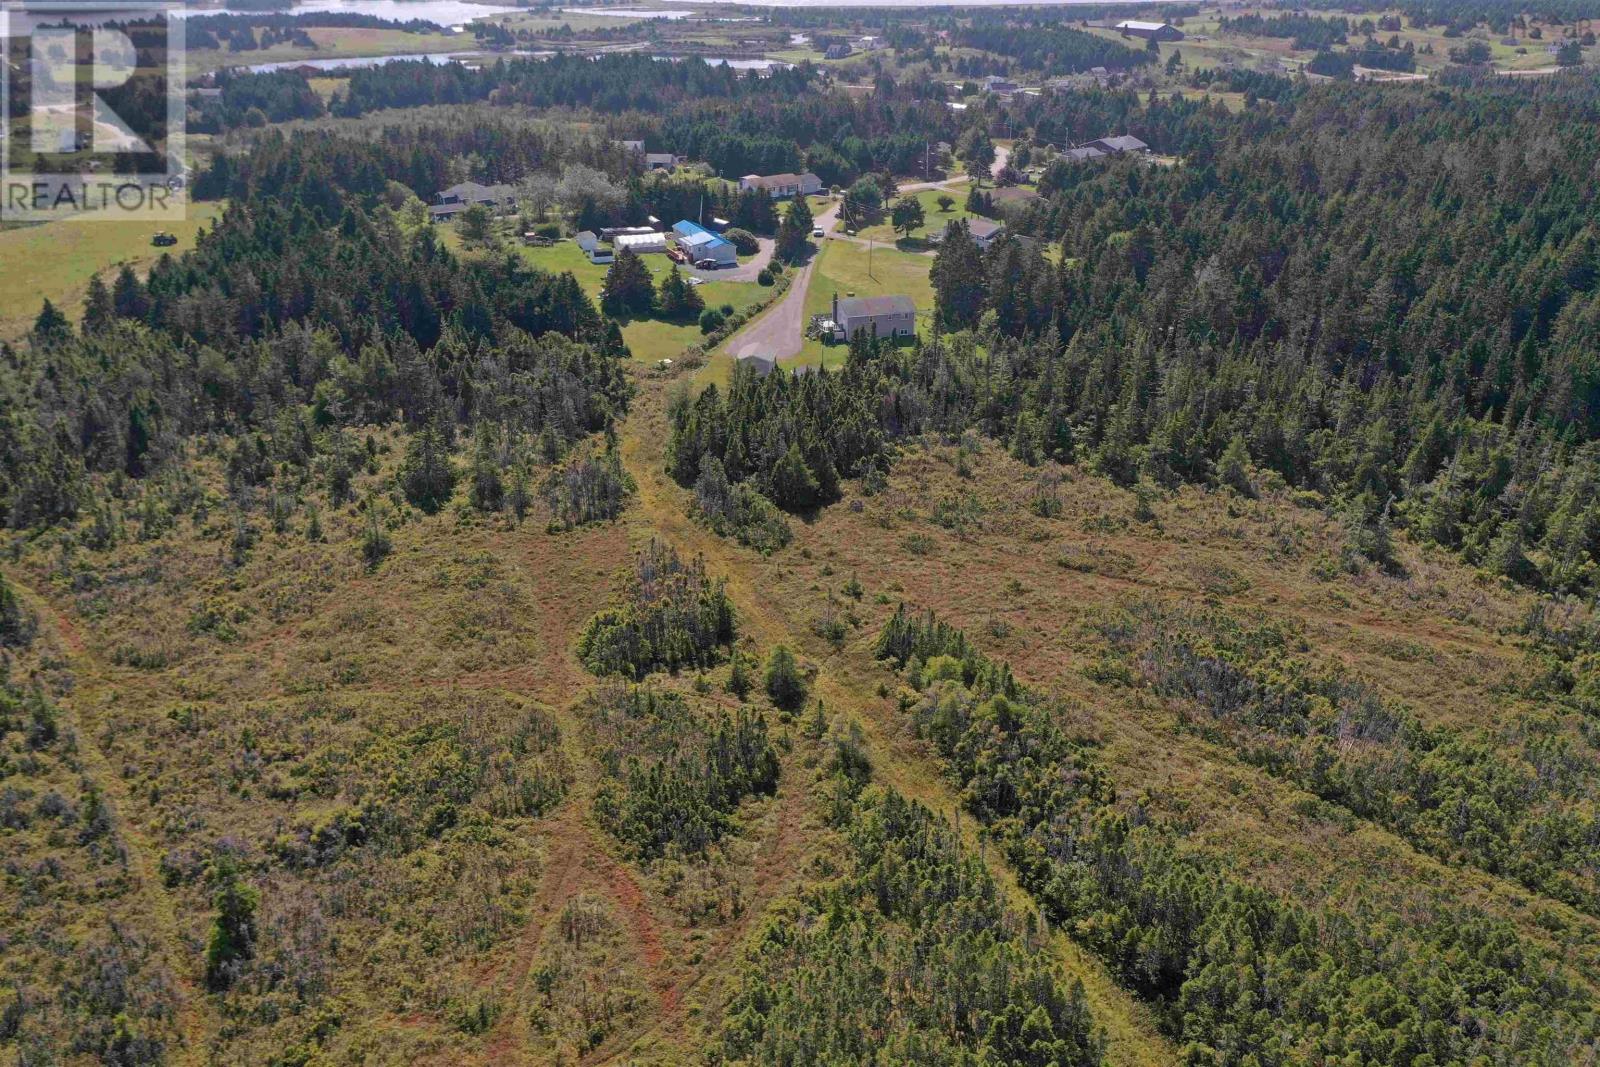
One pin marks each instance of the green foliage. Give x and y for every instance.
(678, 299)
(794, 232)
(1515, 801)
(675, 778)
(17, 624)
(232, 941)
(785, 685)
(588, 488)
(1192, 937)
(907, 215)
(744, 242)
(738, 511)
(910, 956)
(428, 476)
(627, 289)
(673, 616)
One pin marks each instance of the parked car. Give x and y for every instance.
(816, 231)
(163, 239)
(708, 264)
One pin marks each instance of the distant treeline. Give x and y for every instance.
(1307, 31)
(612, 83)
(1048, 46)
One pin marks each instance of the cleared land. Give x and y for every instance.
(54, 261)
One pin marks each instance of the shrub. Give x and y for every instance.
(764, 278)
(744, 242)
(711, 320)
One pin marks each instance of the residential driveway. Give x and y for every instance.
(780, 331)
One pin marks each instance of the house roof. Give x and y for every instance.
(440, 211)
(1078, 155)
(1121, 143)
(855, 307)
(653, 158)
(476, 191)
(587, 240)
(983, 227)
(685, 227)
(1136, 24)
(703, 240)
(769, 181)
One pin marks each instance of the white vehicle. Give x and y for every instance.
(816, 231)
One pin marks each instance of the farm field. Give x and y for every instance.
(55, 261)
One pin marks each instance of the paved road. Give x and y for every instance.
(779, 331)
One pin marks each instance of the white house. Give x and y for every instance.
(781, 185)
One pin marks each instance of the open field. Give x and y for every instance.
(333, 43)
(935, 219)
(55, 261)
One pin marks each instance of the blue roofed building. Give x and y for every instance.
(700, 244)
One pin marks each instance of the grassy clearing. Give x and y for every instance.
(55, 261)
(649, 339)
(935, 219)
(333, 43)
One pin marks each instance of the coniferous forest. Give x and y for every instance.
(423, 640)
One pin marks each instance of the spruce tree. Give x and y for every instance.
(794, 233)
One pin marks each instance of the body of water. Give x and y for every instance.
(629, 12)
(443, 12)
(378, 61)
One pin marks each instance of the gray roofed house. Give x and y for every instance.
(661, 160)
(1117, 145)
(456, 199)
(1082, 155)
(984, 232)
(881, 316)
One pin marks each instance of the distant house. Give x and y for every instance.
(592, 247)
(700, 244)
(456, 199)
(996, 84)
(878, 316)
(778, 186)
(634, 146)
(837, 51)
(1115, 146)
(1082, 155)
(1150, 31)
(869, 44)
(661, 160)
(984, 232)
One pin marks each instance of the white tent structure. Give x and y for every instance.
(640, 243)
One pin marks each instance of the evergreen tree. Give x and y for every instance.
(958, 279)
(794, 233)
(783, 681)
(678, 299)
(98, 309)
(627, 289)
(233, 931)
(427, 475)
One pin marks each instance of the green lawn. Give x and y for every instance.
(934, 219)
(842, 266)
(55, 260)
(334, 43)
(648, 339)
